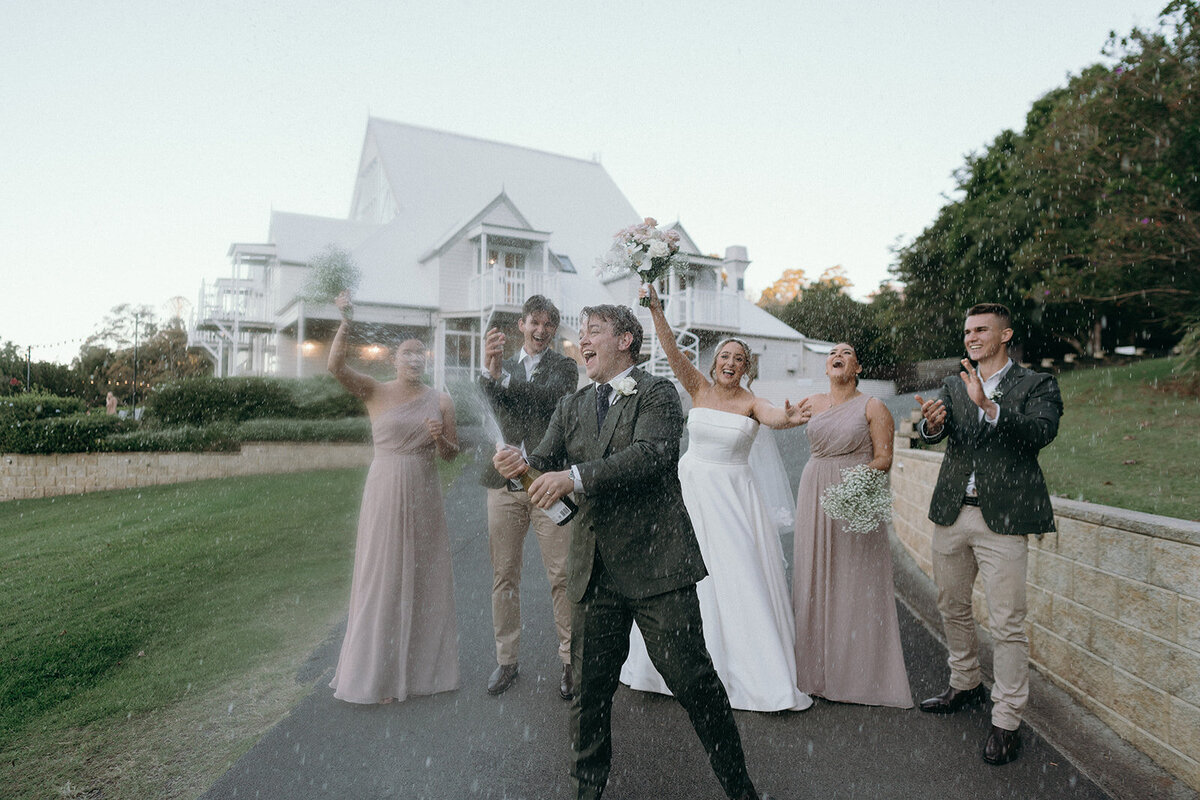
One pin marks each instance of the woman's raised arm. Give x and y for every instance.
(688, 375)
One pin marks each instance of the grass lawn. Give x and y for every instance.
(1125, 440)
(149, 636)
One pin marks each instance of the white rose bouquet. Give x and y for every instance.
(862, 499)
(644, 250)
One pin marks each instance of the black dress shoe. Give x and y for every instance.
(953, 699)
(504, 677)
(1001, 746)
(566, 687)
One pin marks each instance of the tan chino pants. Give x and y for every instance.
(509, 517)
(960, 551)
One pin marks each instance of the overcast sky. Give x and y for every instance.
(141, 138)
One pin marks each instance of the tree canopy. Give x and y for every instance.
(1085, 223)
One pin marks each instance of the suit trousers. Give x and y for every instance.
(960, 551)
(509, 517)
(670, 623)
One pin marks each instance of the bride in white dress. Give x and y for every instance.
(744, 602)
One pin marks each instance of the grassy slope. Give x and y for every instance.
(145, 635)
(1126, 441)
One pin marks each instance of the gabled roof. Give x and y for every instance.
(686, 243)
(759, 322)
(299, 237)
(444, 184)
(463, 227)
(436, 177)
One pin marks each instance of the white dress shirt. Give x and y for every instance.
(989, 386)
(526, 360)
(613, 397)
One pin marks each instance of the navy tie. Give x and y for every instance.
(603, 390)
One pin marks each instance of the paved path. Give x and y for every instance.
(466, 744)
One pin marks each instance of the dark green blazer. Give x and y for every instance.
(631, 511)
(524, 408)
(1011, 488)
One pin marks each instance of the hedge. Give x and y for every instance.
(79, 433)
(200, 401)
(184, 439)
(350, 429)
(22, 407)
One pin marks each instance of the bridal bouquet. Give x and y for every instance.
(862, 500)
(644, 250)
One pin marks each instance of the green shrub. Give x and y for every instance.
(200, 401)
(322, 397)
(468, 402)
(79, 433)
(347, 429)
(183, 439)
(39, 406)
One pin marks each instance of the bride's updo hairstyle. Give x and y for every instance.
(751, 364)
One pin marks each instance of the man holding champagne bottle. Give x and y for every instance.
(634, 555)
(523, 391)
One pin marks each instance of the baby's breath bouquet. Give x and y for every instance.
(862, 500)
(332, 272)
(644, 250)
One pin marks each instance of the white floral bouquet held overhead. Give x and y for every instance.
(862, 500)
(644, 250)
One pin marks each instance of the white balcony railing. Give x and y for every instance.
(704, 308)
(500, 286)
(227, 300)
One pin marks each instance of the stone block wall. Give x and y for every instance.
(1114, 611)
(26, 476)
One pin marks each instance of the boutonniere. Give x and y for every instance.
(626, 386)
(996, 396)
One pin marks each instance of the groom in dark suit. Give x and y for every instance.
(990, 494)
(633, 556)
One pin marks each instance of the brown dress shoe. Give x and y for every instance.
(566, 688)
(1001, 746)
(504, 677)
(953, 699)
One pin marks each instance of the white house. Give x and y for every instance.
(451, 234)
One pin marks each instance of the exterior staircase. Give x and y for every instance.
(654, 357)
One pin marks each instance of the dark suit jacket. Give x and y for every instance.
(1012, 491)
(631, 511)
(524, 408)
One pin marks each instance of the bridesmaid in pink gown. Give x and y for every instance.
(401, 635)
(847, 633)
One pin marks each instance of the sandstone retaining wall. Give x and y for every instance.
(1114, 611)
(27, 476)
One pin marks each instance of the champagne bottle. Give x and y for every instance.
(563, 511)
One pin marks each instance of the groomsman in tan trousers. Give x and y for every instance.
(523, 392)
(990, 494)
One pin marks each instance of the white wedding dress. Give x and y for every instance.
(744, 602)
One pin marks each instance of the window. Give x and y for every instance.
(460, 349)
(509, 259)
